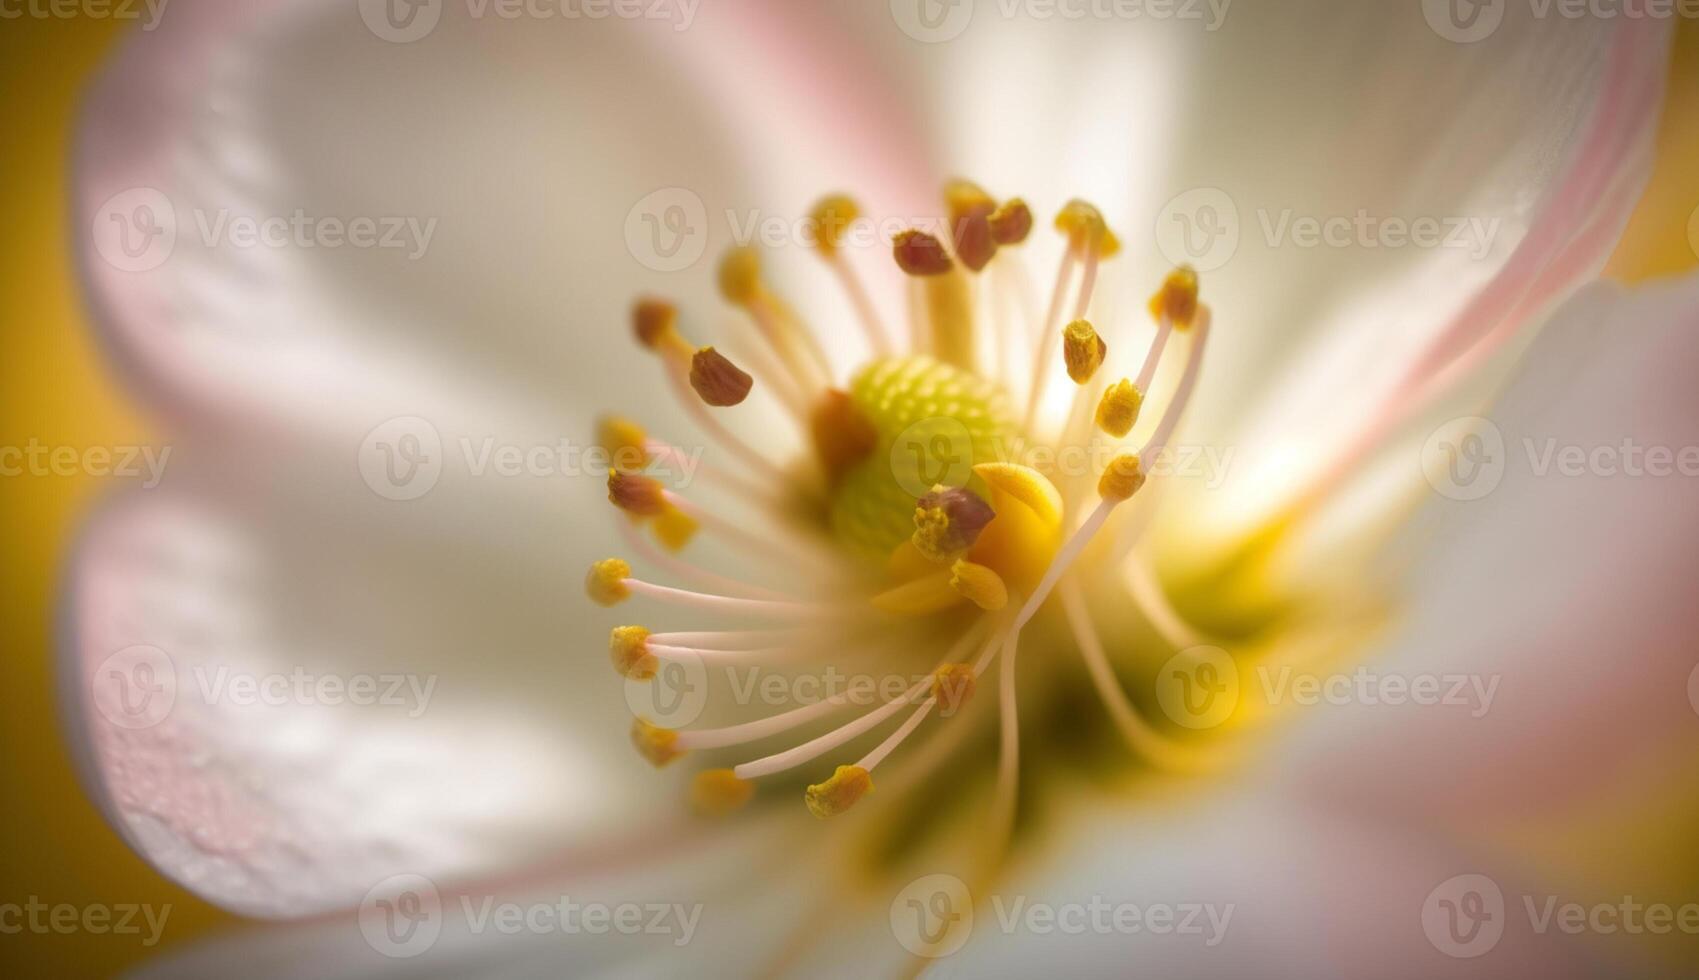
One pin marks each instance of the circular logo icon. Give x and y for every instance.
(1464, 459)
(1198, 687)
(135, 687)
(675, 696)
(933, 916)
(932, 21)
(401, 916)
(136, 230)
(667, 231)
(401, 21)
(932, 452)
(1463, 21)
(402, 458)
(1464, 916)
(1199, 228)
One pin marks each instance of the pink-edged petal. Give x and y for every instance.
(1565, 589)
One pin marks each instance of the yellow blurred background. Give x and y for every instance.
(55, 389)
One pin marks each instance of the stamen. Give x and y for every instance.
(770, 544)
(1121, 479)
(948, 300)
(640, 496)
(607, 582)
(628, 647)
(952, 686)
(675, 529)
(627, 585)
(1086, 229)
(948, 522)
(811, 750)
(919, 254)
(970, 210)
(685, 570)
(754, 731)
(658, 745)
(832, 797)
(924, 596)
(1047, 336)
(1083, 350)
(720, 382)
(718, 792)
(1011, 222)
(1177, 300)
(831, 216)
(843, 434)
(1118, 412)
(741, 285)
(624, 442)
(1182, 394)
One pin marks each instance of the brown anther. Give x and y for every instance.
(653, 320)
(843, 434)
(948, 522)
(640, 495)
(717, 380)
(920, 254)
(1011, 222)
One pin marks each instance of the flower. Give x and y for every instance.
(529, 148)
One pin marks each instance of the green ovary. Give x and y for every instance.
(935, 423)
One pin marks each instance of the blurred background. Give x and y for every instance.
(55, 389)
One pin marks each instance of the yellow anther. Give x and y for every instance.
(1178, 298)
(831, 217)
(832, 797)
(963, 197)
(920, 254)
(953, 685)
(628, 647)
(1011, 222)
(606, 582)
(717, 381)
(1083, 349)
(1026, 485)
(1121, 478)
(843, 434)
(717, 792)
(740, 276)
(658, 745)
(979, 585)
(674, 528)
(654, 321)
(920, 597)
(638, 495)
(948, 522)
(624, 441)
(1118, 412)
(1086, 229)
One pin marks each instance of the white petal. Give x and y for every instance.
(1567, 586)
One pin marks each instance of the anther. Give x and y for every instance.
(1086, 229)
(1121, 478)
(1011, 222)
(718, 792)
(970, 225)
(1083, 350)
(717, 380)
(624, 441)
(606, 582)
(920, 254)
(948, 522)
(953, 685)
(843, 434)
(642, 496)
(979, 585)
(740, 276)
(628, 648)
(675, 529)
(1118, 412)
(1177, 300)
(658, 745)
(837, 794)
(831, 217)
